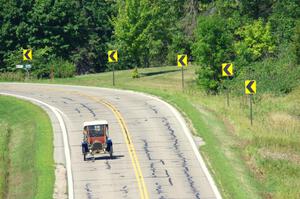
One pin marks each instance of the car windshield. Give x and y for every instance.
(96, 130)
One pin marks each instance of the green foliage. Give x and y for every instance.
(12, 76)
(285, 13)
(11, 59)
(143, 31)
(76, 30)
(58, 66)
(256, 8)
(255, 41)
(62, 68)
(135, 73)
(273, 75)
(205, 79)
(296, 43)
(213, 47)
(146, 33)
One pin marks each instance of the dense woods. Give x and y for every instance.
(261, 38)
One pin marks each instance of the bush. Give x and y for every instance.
(12, 76)
(213, 47)
(135, 73)
(62, 68)
(41, 72)
(255, 42)
(273, 75)
(296, 45)
(206, 80)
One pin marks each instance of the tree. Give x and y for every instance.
(15, 25)
(255, 41)
(256, 8)
(213, 46)
(77, 31)
(283, 19)
(143, 31)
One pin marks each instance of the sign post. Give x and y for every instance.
(250, 89)
(227, 71)
(113, 58)
(181, 62)
(27, 56)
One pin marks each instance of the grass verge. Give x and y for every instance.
(26, 150)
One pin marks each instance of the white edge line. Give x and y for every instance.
(195, 149)
(57, 113)
(177, 115)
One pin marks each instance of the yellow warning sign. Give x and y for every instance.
(27, 54)
(227, 70)
(182, 60)
(112, 56)
(250, 87)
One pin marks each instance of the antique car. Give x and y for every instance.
(96, 139)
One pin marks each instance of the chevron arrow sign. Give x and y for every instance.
(27, 54)
(250, 87)
(182, 60)
(227, 70)
(112, 56)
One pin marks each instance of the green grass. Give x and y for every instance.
(259, 161)
(26, 150)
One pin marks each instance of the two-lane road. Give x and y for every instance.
(159, 162)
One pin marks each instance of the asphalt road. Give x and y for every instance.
(159, 161)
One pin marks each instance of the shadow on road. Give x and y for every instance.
(115, 157)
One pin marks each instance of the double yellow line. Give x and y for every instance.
(135, 163)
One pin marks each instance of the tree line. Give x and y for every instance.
(77, 34)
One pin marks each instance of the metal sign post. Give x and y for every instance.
(227, 94)
(113, 75)
(251, 114)
(182, 78)
(250, 89)
(227, 71)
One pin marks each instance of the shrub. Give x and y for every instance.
(296, 45)
(255, 41)
(273, 75)
(135, 73)
(63, 68)
(12, 76)
(206, 79)
(213, 47)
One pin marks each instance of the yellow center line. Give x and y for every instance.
(131, 149)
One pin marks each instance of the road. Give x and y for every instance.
(153, 156)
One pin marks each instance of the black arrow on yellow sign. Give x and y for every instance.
(27, 54)
(226, 69)
(181, 60)
(249, 86)
(111, 56)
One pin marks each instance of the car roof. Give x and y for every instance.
(95, 122)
